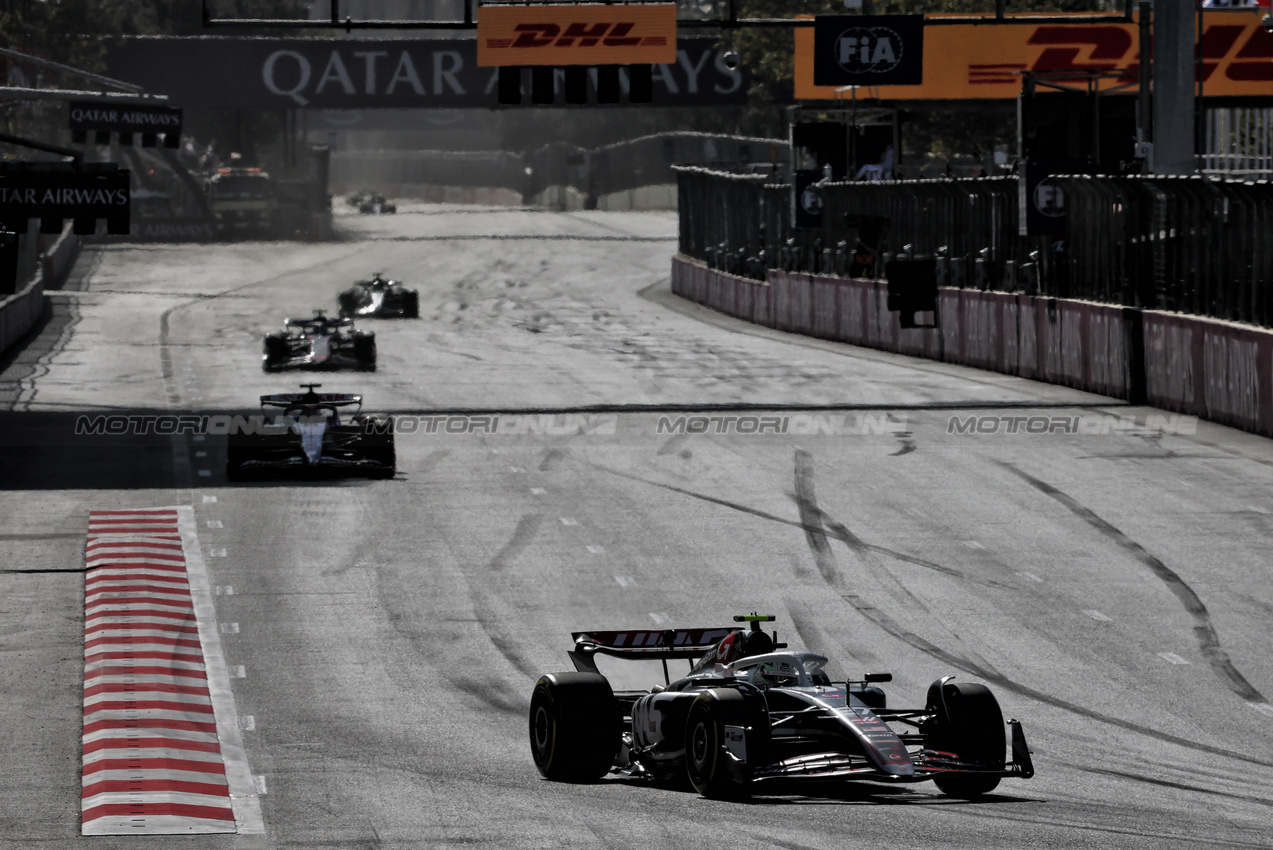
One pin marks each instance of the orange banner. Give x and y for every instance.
(576, 35)
(985, 61)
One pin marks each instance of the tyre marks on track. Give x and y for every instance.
(1204, 631)
(155, 755)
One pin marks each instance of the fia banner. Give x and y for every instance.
(868, 50)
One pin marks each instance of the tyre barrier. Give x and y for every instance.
(1216, 370)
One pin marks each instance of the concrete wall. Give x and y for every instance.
(1216, 370)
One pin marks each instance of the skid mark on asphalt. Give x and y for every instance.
(552, 459)
(1203, 630)
(811, 519)
(1166, 783)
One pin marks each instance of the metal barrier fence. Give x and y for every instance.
(1190, 244)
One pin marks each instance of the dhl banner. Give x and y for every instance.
(576, 35)
(985, 61)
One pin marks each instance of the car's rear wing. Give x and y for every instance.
(645, 644)
(293, 399)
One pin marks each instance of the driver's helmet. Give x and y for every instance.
(774, 674)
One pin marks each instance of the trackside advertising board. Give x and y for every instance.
(576, 35)
(985, 61)
(415, 73)
(868, 50)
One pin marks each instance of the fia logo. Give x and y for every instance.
(811, 201)
(1049, 198)
(868, 50)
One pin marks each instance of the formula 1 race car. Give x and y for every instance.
(320, 342)
(376, 204)
(751, 715)
(381, 298)
(310, 437)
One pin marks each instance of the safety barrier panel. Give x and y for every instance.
(20, 312)
(1213, 369)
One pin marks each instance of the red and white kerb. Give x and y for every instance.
(152, 758)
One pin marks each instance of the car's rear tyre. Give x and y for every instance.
(365, 350)
(575, 726)
(411, 305)
(968, 722)
(712, 771)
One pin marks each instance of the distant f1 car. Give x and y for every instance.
(750, 715)
(377, 204)
(310, 436)
(320, 342)
(379, 297)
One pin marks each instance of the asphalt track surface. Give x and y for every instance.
(1112, 589)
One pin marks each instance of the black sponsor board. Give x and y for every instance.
(146, 121)
(431, 73)
(868, 50)
(53, 192)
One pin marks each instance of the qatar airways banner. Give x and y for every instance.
(312, 73)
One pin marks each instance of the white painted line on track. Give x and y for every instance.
(247, 722)
(1171, 657)
(215, 523)
(217, 553)
(972, 544)
(243, 798)
(238, 671)
(597, 550)
(625, 581)
(208, 500)
(659, 617)
(517, 469)
(229, 628)
(1097, 615)
(537, 491)
(1030, 577)
(259, 781)
(225, 590)
(569, 521)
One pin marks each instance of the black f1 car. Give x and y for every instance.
(321, 342)
(751, 715)
(379, 297)
(376, 204)
(309, 436)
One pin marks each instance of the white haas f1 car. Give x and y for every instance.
(311, 437)
(320, 342)
(752, 715)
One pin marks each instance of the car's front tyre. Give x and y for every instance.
(968, 723)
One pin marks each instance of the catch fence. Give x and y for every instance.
(1193, 244)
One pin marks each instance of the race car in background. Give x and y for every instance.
(320, 342)
(379, 297)
(306, 434)
(752, 715)
(376, 204)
